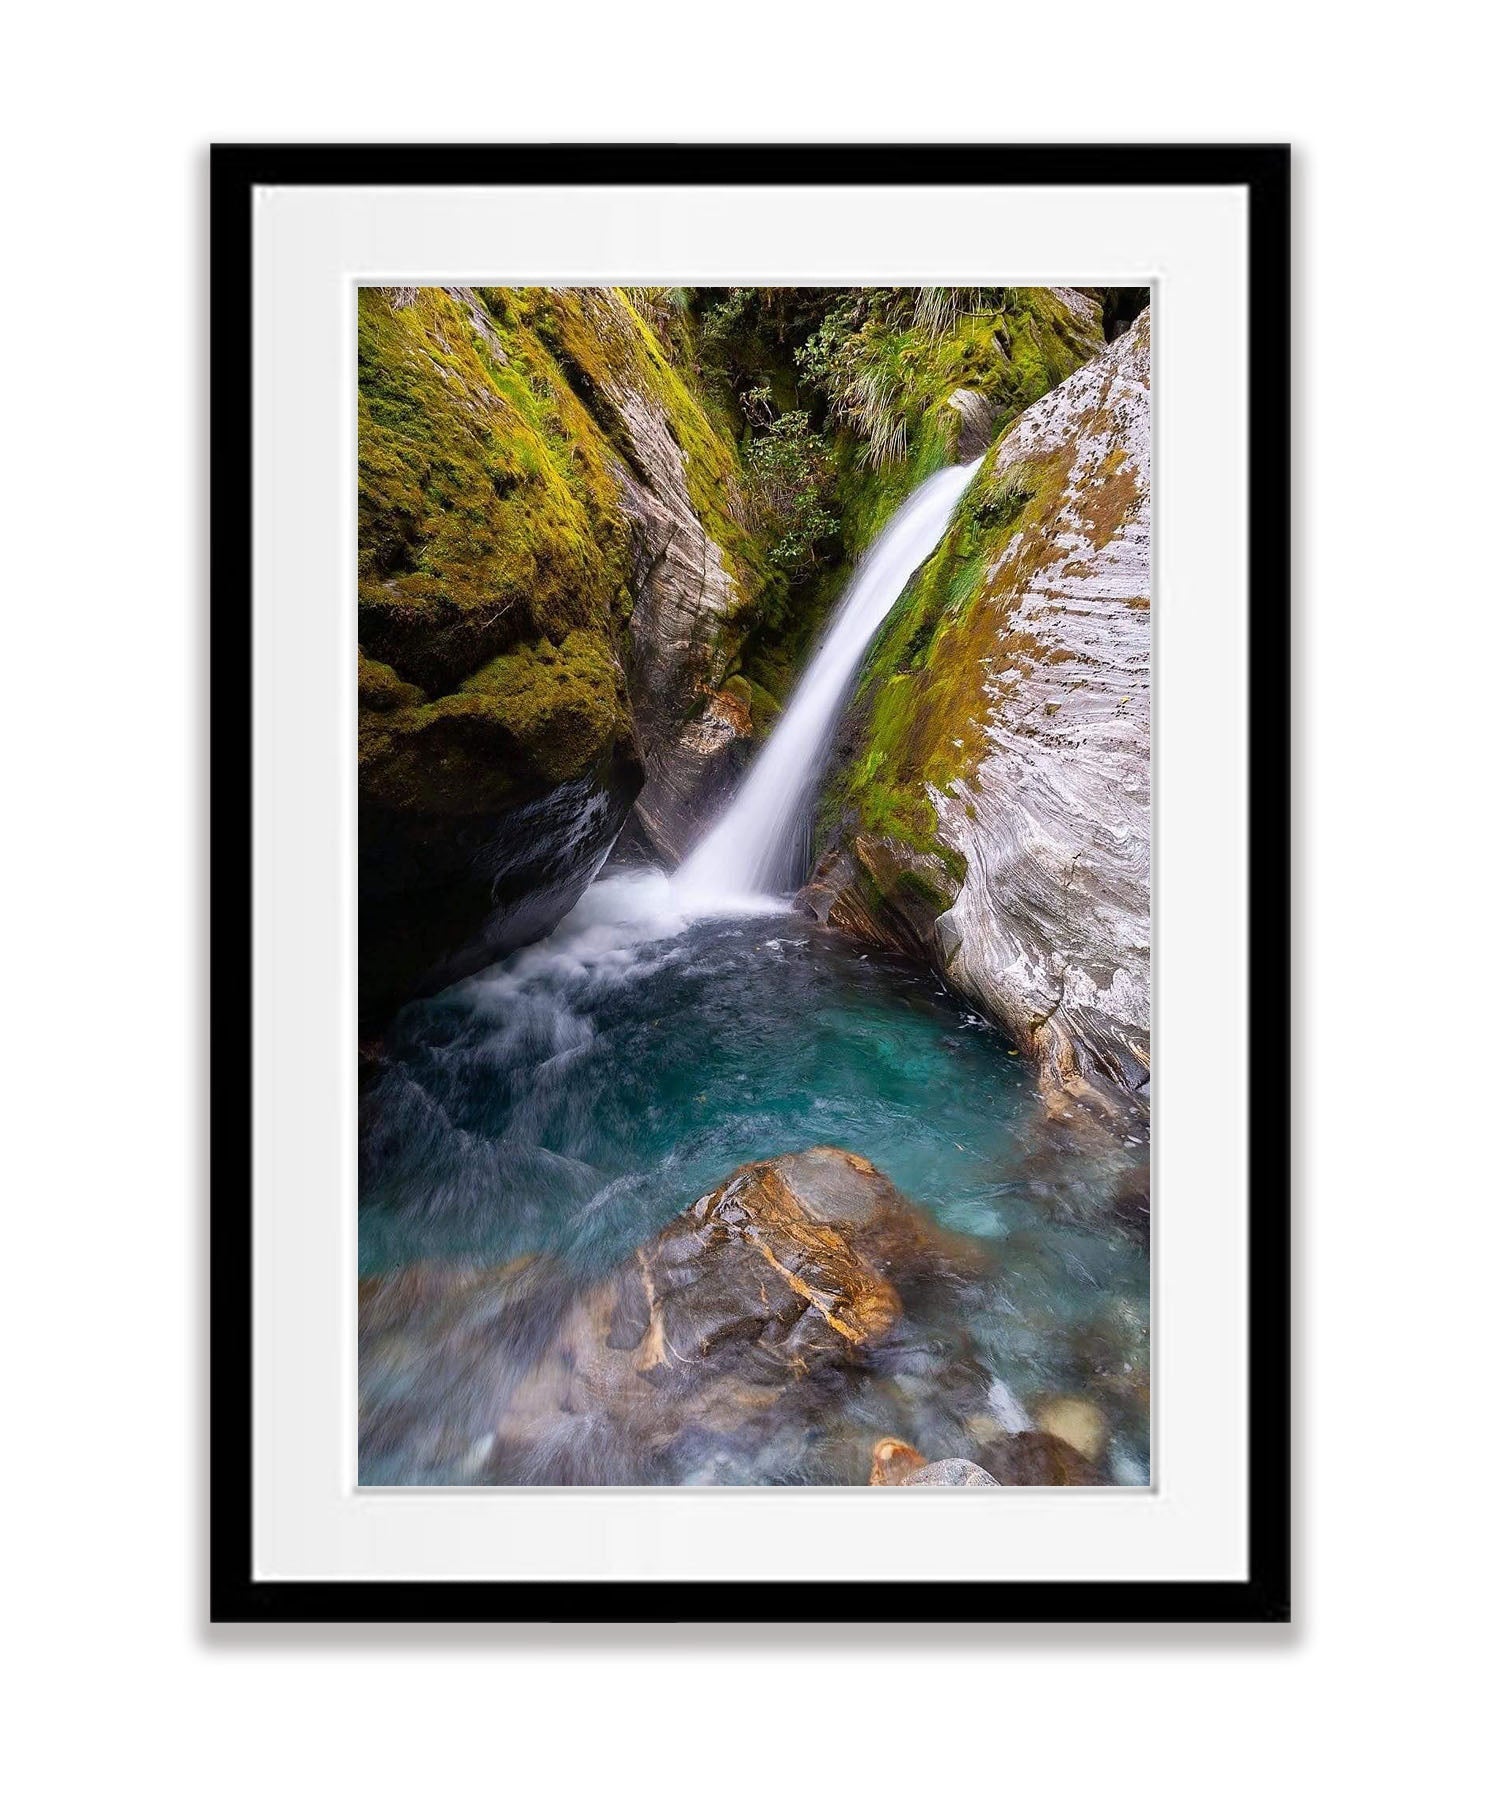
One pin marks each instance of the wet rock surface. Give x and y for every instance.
(1052, 923)
(885, 892)
(1020, 1459)
(952, 1471)
(693, 775)
(441, 899)
(772, 1331)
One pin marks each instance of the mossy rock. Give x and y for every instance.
(1007, 355)
(529, 720)
(924, 697)
(565, 704)
(488, 508)
(381, 689)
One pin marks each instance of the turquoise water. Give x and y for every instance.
(572, 1099)
(579, 1095)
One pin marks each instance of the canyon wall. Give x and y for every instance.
(550, 566)
(575, 611)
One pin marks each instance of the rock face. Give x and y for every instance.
(976, 423)
(441, 897)
(995, 808)
(690, 562)
(884, 890)
(693, 774)
(549, 561)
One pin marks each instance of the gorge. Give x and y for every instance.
(754, 754)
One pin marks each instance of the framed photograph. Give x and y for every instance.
(750, 923)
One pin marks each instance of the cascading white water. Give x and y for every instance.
(752, 849)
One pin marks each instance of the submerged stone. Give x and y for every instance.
(1025, 1459)
(742, 1329)
(1077, 1422)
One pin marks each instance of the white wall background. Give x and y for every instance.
(1379, 1689)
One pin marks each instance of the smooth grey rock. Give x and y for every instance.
(1052, 921)
(976, 422)
(693, 775)
(952, 1471)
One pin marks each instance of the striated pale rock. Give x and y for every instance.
(1052, 925)
(684, 592)
(951, 1471)
(1007, 725)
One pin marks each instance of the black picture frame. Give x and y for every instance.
(235, 1594)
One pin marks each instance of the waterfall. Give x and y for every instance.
(753, 849)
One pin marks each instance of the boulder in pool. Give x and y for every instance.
(731, 1342)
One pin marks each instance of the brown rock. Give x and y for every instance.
(893, 1463)
(1037, 1459)
(751, 1318)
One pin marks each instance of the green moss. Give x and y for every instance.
(449, 758)
(1011, 353)
(529, 720)
(607, 349)
(487, 509)
(492, 528)
(381, 689)
(765, 709)
(493, 426)
(921, 888)
(923, 698)
(563, 705)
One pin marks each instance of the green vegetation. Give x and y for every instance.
(844, 396)
(885, 358)
(488, 513)
(603, 346)
(923, 698)
(499, 428)
(527, 721)
(497, 432)
(563, 704)
(381, 689)
(920, 706)
(790, 475)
